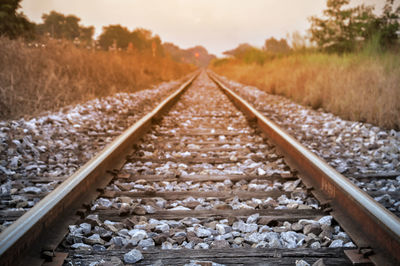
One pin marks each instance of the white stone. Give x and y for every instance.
(33, 190)
(315, 245)
(253, 218)
(180, 208)
(302, 263)
(202, 232)
(162, 228)
(336, 243)
(137, 234)
(81, 246)
(133, 256)
(261, 171)
(166, 245)
(327, 220)
(146, 243)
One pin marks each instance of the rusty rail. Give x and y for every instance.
(56, 209)
(367, 222)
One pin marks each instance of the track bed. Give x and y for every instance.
(205, 185)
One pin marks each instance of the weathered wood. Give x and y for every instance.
(10, 215)
(45, 180)
(208, 142)
(393, 194)
(276, 215)
(203, 149)
(28, 196)
(174, 195)
(204, 178)
(189, 160)
(175, 118)
(238, 256)
(376, 175)
(198, 133)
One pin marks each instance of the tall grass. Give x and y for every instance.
(363, 87)
(55, 74)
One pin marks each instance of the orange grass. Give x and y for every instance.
(355, 87)
(36, 79)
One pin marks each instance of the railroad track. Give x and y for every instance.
(204, 179)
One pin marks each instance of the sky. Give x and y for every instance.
(218, 25)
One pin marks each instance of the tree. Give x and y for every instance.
(239, 51)
(387, 25)
(248, 54)
(274, 46)
(345, 29)
(342, 27)
(67, 27)
(12, 23)
(86, 34)
(298, 42)
(140, 39)
(117, 34)
(60, 26)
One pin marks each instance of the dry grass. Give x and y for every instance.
(355, 87)
(45, 78)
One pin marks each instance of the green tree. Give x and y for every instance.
(60, 26)
(141, 39)
(345, 29)
(342, 28)
(240, 51)
(298, 41)
(274, 46)
(387, 26)
(67, 27)
(12, 23)
(117, 34)
(86, 34)
(247, 54)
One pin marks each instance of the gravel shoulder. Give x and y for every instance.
(368, 155)
(203, 178)
(38, 154)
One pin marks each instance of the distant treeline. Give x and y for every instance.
(341, 30)
(14, 24)
(56, 63)
(349, 65)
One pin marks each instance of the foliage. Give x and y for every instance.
(217, 62)
(239, 51)
(353, 86)
(298, 42)
(248, 54)
(274, 46)
(387, 25)
(56, 73)
(119, 37)
(66, 27)
(12, 23)
(346, 29)
(197, 55)
(114, 35)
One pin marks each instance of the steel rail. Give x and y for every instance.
(370, 223)
(25, 232)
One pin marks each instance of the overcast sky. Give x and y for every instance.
(218, 25)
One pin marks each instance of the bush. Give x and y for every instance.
(49, 75)
(354, 86)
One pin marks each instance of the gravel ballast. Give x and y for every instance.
(368, 155)
(38, 154)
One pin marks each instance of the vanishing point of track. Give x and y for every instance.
(223, 184)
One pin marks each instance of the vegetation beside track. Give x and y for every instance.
(353, 86)
(351, 68)
(56, 73)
